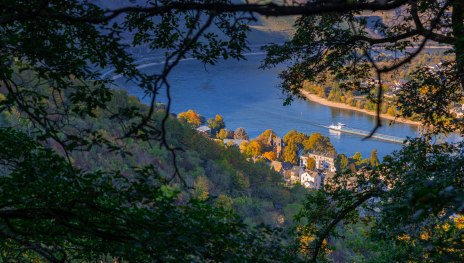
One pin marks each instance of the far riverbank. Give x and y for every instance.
(325, 102)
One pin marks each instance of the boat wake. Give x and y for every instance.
(340, 127)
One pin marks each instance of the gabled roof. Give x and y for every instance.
(277, 166)
(287, 165)
(203, 129)
(328, 155)
(297, 168)
(236, 142)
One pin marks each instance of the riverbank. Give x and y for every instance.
(325, 102)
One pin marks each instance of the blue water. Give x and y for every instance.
(249, 97)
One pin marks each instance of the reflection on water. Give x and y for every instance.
(335, 134)
(249, 97)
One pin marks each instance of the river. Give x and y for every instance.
(249, 97)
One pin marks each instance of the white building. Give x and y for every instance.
(205, 130)
(322, 162)
(311, 179)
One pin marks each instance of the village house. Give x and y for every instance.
(312, 179)
(323, 162)
(234, 142)
(204, 130)
(292, 176)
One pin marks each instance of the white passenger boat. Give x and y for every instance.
(342, 128)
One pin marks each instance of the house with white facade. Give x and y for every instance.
(323, 162)
(205, 130)
(312, 179)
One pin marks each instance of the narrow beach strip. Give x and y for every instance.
(322, 101)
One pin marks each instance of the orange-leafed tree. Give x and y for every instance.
(270, 155)
(190, 117)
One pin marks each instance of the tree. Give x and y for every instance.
(225, 201)
(240, 134)
(216, 124)
(357, 157)
(374, 160)
(270, 156)
(201, 188)
(253, 148)
(222, 134)
(311, 164)
(400, 200)
(190, 117)
(341, 162)
(293, 141)
(319, 144)
(294, 137)
(290, 154)
(263, 138)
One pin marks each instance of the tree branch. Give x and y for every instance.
(216, 8)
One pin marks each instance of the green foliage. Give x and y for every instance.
(57, 212)
(357, 157)
(356, 245)
(404, 203)
(225, 202)
(212, 169)
(374, 159)
(201, 188)
(429, 95)
(341, 162)
(216, 124)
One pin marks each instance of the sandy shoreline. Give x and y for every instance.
(317, 99)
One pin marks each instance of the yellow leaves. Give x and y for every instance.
(424, 90)
(310, 163)
(190, 117)
(306, 239)
(270, 155)
(243, 146)
(425, 236)
(219, 118)
(224, 201)
(222, 134)
(252, 148)
(202, 188)
(404, 237)
(459, 221)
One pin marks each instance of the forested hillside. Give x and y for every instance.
(207, 169)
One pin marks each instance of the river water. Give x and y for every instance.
(249, 97)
